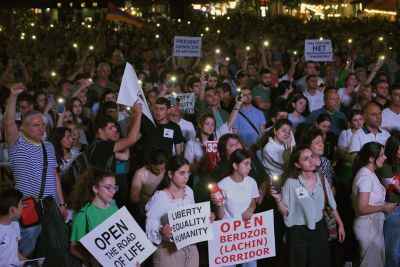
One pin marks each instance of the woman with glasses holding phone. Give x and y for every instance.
(92, 201)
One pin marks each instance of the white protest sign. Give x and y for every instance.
(185, 100)
(131, 91)
(118, 241)
(191, 224)
(318, 50)
(236, 241)
(185, 46)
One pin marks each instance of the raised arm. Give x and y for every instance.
(10, 127)
(133, 133)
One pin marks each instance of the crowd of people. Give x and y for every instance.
(272, 129)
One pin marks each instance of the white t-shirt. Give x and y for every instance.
(314, 101)
(390, 120)
(9, 237)
(363, 136)
(272, 157)
(366, 181)
(187, 128)
(344, 99)
(238, 196)
(345, 138)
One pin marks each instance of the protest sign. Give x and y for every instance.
(237, 241)
(118, 241)
(185, 100)
(318, 50)
(185, 46)
(191, 224)
(131, 91)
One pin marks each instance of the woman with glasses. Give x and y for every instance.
(92, 201)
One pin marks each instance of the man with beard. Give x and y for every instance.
(250, 122)
(332, 108)
(382, 92)
(262, 92)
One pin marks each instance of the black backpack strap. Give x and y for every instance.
(44, 172)
(249, 121)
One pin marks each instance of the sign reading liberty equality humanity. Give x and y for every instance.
(318, 50)
(186, 101)
(191, 224)
(185, 46)
(118, 241)
(237, 241)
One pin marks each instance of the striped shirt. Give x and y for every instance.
(26, 160)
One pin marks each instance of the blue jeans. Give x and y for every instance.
(391, 230)
(28, 240)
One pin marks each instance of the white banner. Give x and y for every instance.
(131, 91)
(318, 50)
(185, 100)
(191, 224)
(185, 46)
(118, 241)
(236, 241)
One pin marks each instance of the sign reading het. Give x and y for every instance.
(185, 46)
(318, 50)
(118, 241)
(237, 241)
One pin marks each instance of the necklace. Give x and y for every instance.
(175, 196)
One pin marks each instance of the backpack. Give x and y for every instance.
(79, 165)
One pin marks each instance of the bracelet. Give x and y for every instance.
(63, 205)
(237, 108)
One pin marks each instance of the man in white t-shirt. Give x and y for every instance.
(314, 96)
(391, 115)
(371, 131)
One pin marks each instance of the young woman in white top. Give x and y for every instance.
(240, 191)
(346, 93)
(368, 196)
(173, 192)
(207, 131)
(279, 142)
(301, 203)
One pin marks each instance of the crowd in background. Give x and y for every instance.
(318, 126)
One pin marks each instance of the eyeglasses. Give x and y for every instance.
(110, 188)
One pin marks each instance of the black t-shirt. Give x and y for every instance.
(159, 135)
(103, 153)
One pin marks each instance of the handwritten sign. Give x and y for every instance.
(191, 224)
(185, 100)
(118, 241)
(185, 46)
(236, 241)
(318, 50)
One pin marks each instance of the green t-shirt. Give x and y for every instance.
(388, 171)
(88, 218)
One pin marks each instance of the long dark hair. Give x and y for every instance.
(201, 120)
(173, 164)
(222, 142)
(291, 170)
(82, 192)
(237, 157)
(391, 148)
(55, 138)
(371, 149)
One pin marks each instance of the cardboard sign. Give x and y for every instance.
(185, 46)
(131, 91)
(318, 50)
(191, 224)
(212, 148)
(118, 241)
(185, 100)
(236, 241)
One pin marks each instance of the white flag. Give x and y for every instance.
(131, 91)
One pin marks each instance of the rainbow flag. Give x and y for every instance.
(114, 13)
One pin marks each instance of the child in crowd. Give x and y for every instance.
(10, 211)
